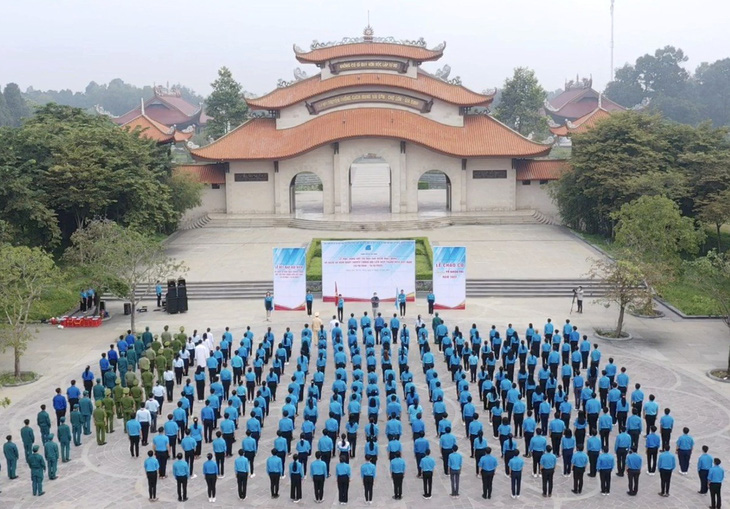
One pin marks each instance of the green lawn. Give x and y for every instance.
(59, 300)
(424, 262)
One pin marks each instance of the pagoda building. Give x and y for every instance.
(577, 101)
(167, 107)
(156, 131)
(370, 98)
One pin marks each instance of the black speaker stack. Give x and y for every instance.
(177, 296)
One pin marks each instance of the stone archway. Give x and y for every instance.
(370, 182)
(306, 194)
(434, 192)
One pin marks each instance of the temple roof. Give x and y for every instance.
(582, 124)
(481, 136)
(424, 84)
(204, 173)
(574, 103)
(166, 108)
(540, 169)
(362, 49)
(156, 131)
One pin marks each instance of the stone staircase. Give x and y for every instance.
(516, 217)
(502, 288)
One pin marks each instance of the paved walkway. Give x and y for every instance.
(668, 357)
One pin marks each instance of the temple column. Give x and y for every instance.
(404, 178)
(277, 191)
(336, 179)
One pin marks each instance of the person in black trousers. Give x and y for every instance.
(295, 473)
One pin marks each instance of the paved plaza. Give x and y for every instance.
(668, 356)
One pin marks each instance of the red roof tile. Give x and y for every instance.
(540, 169)
(322, 55)
(582, 124)
(481, 136)
(205, 173)
(424, 84)
(172, 111)
(151, 129)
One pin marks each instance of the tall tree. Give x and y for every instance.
(225, 104)
(715, 211)
(25, 274)
(5, 117)
(713, 87)
(121, 260)
(624, 286)
(16, 105)
(521, 99)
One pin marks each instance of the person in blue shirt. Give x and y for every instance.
(455, 460)
(653, 443)
(547, 468)
(427, 466)
(158, 292)
(605, 466)
(219, 451)
(666, 464)
(537, 447)
(397, 471)
(633, 470)
(275, 469)
(161, 446)
(309, 299)
(666, 424)
(268, 305)
(296, 472)
(685, 444)
(579, 462)
(340, 307)
(181, 473)
(318, 470)
(367, 472)
(343, 472)
(134, 431)
(151, 466)
(210, 472)
(704, 464)
(715, 477)
(242, 467)
(487, 465)
(516, 464)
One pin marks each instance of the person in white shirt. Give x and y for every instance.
(201, 355)
(169, 377)
(185, 356)
(153, 407)
(178, 366)
(333, 323)
(158, 392)
(144, 417)
(419, 322)
(209, 341)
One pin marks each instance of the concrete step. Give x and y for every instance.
(529, 288)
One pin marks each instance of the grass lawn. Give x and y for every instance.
(680, 293)
(424, 262)
(59, 300)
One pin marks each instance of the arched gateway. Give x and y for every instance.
(371, 99)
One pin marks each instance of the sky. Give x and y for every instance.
(57, 44)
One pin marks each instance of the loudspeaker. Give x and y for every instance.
(172, 301)
(170, 283)
(181, 281)
(127, 309)
(182, 297)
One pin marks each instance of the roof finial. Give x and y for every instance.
(367, 34)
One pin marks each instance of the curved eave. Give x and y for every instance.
(424, 84)
(368, 49)
(481, 136)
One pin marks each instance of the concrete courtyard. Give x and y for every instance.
(668, 356)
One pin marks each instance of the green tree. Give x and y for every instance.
(621, 158)
(713, 86)
(5, 117)
(521, 100)
(185, 192)
(710, 274)
(16, 105)
(25, 274)
(715, 211)
(624, 282)
(121, 260)
(225, 105)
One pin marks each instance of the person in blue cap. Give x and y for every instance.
(37, 468)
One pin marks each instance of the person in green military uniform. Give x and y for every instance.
(128, 405)
(180, 336)
(117, 394)
(98, 390)
(50, 449)
(77, 424)
(139, 343)
(10, 451)
(147, 337)
(166, 334)
(169, 353)
(136, 392)
(108, 404)
(86, 407)
(28, 437)
(161, 365)
(144, 362)
(37, 466)
(148, 380)
(44, 423)
(110, 379)
(156, 345)
(100, 424)
(130, 379)
(64, 438)
(123, 367)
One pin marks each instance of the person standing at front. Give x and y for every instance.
(605, 466)
(402, 303)
(375, 304)
(343, 472)
(633, 470)
(268, 305)
(210, 472)
(428, 464)
(275, 469)
(367, 471)
(181, 472)
(340, 308)
(547, 468)
(296, 470)
(715, 477)
(397, 472)
(516, 465)
(151, 466)
(666, 464)
(318, 470)
(455, 461)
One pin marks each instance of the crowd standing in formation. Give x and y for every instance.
(532, 404)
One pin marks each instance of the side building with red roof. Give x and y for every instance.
(371, 99)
